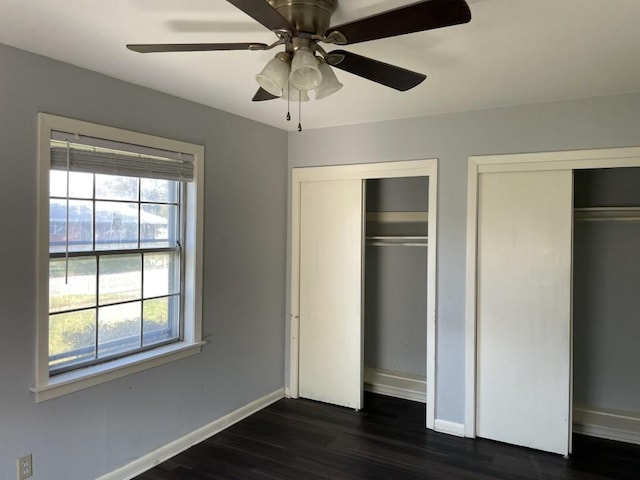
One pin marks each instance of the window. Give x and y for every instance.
(119, 253)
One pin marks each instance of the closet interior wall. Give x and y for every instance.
(606, 303)
(395, 307)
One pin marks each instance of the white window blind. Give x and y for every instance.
(79, 153)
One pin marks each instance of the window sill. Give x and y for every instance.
(88, 377)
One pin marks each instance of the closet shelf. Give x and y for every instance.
(397, 241)
(397, 228)
(398, 217)
(607, 214)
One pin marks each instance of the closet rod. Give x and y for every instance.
(607, 214)
(397, 241)
(395, 244)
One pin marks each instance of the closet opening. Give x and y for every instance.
(395, 281)
(329, 244)
(606, 304)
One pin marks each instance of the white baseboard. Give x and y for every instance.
(171, 449)
(394, 384)
(609, 424)
(451, 428)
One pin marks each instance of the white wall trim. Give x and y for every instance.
(594, 158)
(409, 168)
(573, 160)
(609, 424)
(405, 168)
(394, 384)
(450, 428)
(171, 449)
(470, 301)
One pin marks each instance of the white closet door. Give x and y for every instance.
(524, 308)
(331, 336)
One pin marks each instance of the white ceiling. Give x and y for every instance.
(512, 52)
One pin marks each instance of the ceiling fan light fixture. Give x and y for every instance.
(294, 95)
(305, 74)
(300, 26)
(274, 75)
(330, 83)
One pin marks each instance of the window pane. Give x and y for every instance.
(80, 225)
(159, 225)
(160, 320)
(120, 278)
(57, 183)
(161, 274)
(156, 190)
(116, 225)
(80, 184)
(79, 291)
(72, 337)
(118, 328)
(115, 187)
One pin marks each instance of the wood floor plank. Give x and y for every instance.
(305, 440)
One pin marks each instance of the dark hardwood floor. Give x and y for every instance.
(305, 440)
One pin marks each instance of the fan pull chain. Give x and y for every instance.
(289, 97)
(299, 111)
(288, 104)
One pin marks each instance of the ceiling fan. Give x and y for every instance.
(303, 65)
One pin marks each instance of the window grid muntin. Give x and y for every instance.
(176, 227)
(64, 368)
(96, 308)
(54, 370)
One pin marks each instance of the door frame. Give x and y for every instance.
(365, 171)
(567, 160)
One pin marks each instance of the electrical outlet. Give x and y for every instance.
(25, 467)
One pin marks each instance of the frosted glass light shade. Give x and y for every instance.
(294, 95)
(274, 76)
(305, 74)
(329, 84)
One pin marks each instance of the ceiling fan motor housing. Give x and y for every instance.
(308, 16)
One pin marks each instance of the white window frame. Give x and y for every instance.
(47, 386)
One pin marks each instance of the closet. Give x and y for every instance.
(606, 303)
(552, 297)
(395, 312)
(363, 282)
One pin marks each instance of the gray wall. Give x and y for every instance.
(395, 318)
(580, 124)
(85, 434)
(404, 194)
(606, 304)
(606, 318)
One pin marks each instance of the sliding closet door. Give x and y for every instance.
(524, 308)
(331, 334)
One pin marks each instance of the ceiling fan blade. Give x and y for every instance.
(374, 70)
(262, 95)
(263, 13)
(194, 47)
(417, 17)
